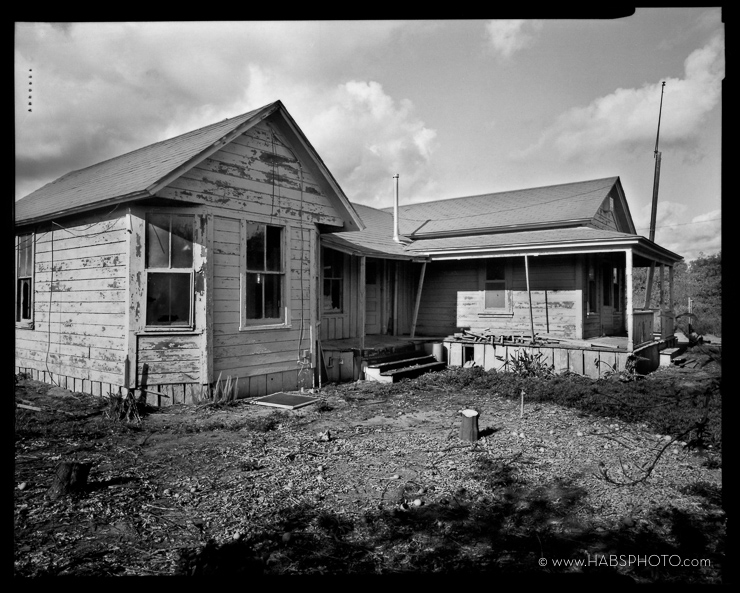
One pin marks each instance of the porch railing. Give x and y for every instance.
(642, 327)
(649, 324)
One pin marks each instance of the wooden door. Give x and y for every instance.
(372, 296)
(607, 300)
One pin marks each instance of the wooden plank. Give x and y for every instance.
(456, 354)
(575, 361)
(274, 382)
(417, 303)
(479, 354)
(257, 385)
(489, 357)
(361, 305)
(591, 363)
(290, 380)
(560, 359)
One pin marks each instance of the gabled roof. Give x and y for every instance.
(143, 172)
(550, 206)
(542, 219)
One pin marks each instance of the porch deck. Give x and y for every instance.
(591, 357)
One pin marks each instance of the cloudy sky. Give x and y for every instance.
(455, 107)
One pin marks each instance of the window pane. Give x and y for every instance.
(23, 300)
(332, 295)
(25, 261)
(255, 246)
(182, 241)
(272, 296)
(333, 263)
(254, 295)
(158, 241)
(168, 299)
(495, 295)
(273, 248)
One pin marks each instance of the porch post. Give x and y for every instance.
(418, 299)
(529, 293)
(630, 304)
(395, 299)
(361, 304)
(649, 286)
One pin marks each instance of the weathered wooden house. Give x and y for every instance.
(232, 252)
(555, 262)
(181, 262)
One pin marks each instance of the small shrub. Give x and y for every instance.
(125, 408)
(527, 364)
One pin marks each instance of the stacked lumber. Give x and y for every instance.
(486, 336)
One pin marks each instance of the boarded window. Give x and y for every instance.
(265, 276)
(495, 287)
(24, 279)
(169, 267)
(333, 267)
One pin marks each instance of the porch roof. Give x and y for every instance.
(376, 240)
(572, 239)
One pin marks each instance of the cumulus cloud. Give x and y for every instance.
(366, 137)
(103, 89)
(626, 120)
(703, 233)
(509, 36)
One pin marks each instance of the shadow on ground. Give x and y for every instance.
(504, 535)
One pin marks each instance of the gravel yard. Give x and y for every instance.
(372, 479)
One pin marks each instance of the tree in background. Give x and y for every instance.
(699, 280)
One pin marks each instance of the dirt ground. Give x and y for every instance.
(371, 479)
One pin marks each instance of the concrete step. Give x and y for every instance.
(390, 372)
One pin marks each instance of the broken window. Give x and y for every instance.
(265, 275)
(169, 270)
(495, 284)
(24, 279)
(333, 266)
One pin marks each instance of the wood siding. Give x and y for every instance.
(257, 173)
(583, 361)
(77, 340)
(454, 297)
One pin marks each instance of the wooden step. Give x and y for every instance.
(389, 372)
(668, 354)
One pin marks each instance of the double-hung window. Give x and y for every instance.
(333, 272)
(495, 284)
(24, 279)
(169, 270)
(264, 278)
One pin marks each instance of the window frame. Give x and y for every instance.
(284, 320)
(484, 282)
(341, 280)
(189, 326)
(19, 320)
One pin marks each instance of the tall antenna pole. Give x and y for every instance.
(654, 212)
(656, 177)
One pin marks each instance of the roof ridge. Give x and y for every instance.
(244, 115)
(512, 191)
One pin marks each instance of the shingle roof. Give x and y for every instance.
(128, 174)
(376, 238)
(554, 204)
(519, 238)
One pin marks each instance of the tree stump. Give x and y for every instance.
(469, 426)
(71, 476)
